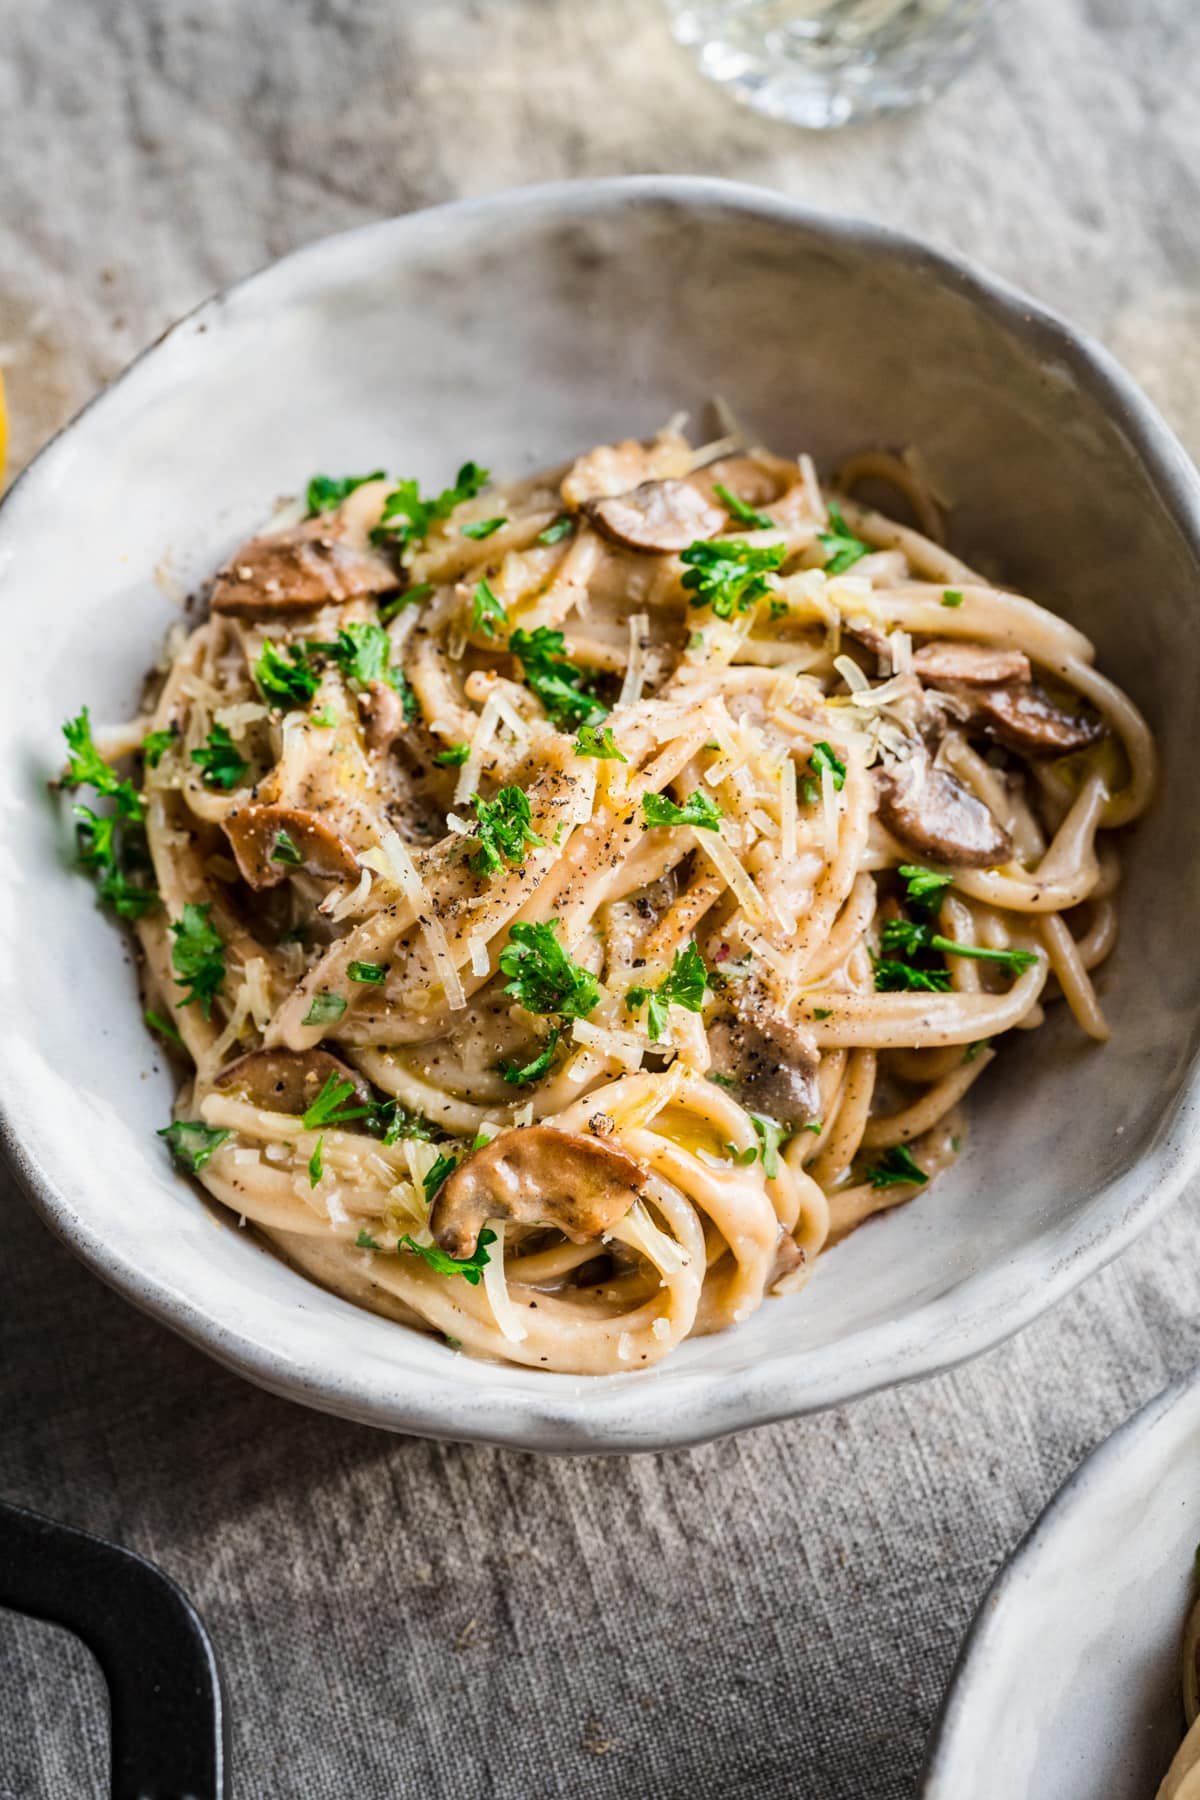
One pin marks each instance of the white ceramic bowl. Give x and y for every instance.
(1067, 1687)
(515, 330)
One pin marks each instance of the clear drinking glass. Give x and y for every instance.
(824, 62)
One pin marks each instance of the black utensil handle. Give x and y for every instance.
(169, 1730)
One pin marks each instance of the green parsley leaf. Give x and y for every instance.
(128, 899)
(905, 936)
(87, 768)
(900, 977)
(771, 1134)
(520, 1076)
(558, 683)
(192, 1142)
(924, 887)
(897, 1168)
(725, 1081)
(483, 528)
(823, 758)
(598, 741)
(822, 1012)
(542, 976)
(315, 1169)
(372, 974)
(486, 610)
(556, 531)
(908, 937)
(454, 757)
(330, 1108)
(166, 1028)
(285, 681)
(397, 1122)
(504, 830)
(814, 1125)
(109, 844)
(398, 680)
(361, 651)
(219, 760)
(737, 509)
(325, 719)
(684, 986)
(952, 597)
(411, 596)
(470, 1267)
(973, 1050)
(743, 1158)
(408, 519)
(843, 547)
(441, 1170)
(327, 491)
(155, 746)
(728, 574)
(286, 850)
(324, 1009)
(365, 1241)
(698, 810)
(198, 957)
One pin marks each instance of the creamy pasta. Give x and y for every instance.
(579, 902)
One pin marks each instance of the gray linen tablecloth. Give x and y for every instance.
(775, 1615)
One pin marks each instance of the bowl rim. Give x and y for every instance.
(989, 1305)
(1114, 1451)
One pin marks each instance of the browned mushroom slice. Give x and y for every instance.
(977, 665)
(1026, 719)
(788, 1256)
(383, 715)
(934, 815)
(657, 516)
(270, 842)
(537, 1176)
(742, 475)
(288, 1081)
(771, 1064)
(615, 468)
(293, 571)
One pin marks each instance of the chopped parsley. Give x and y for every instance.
(555, 532)
(598, 741)
(973, 1050)
(219, 761)
(697, 810)
(897, 1168)
(486, 610)
(557, 682)
(924, 887)
(453, 757)
(362, 652)
(371, 974)
(952, 597)
(365, 1241)
(909, 937)
(324, 1009)
(408, 519)
(737, 509)
(326, 718)
(330, 1106)
(822, 1012)
(521, 1076)
(719, 1080)
(823, 758)
(396, 1122)
(166, 1028)
(683, 986)
(503, 831)
(483, 528)
(542, 976)
(192, 1142)
(893, 977)
(155, 746)
(286, 850)
(285, 681)
(113, 844)
(198, 957)
(728, 574)
(315, 1167)
(327, 491)
(771, 1134)
(743, 1158)
(470, 1268)
(411, 596)
(439, 1172)
(843, 547)
(398, 680)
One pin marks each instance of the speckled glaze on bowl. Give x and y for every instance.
(515, 330)
(1067, 1687)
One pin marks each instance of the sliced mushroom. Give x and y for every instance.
(383, 715)
(772, 1063)
(615, 468)
(657, 516)
(1024, 718)
(934, 815)
(788, 1256)
(538, 1176)
(292, 571)
(977, 665)
(753, 484)
(258, 835)
(288, 1081)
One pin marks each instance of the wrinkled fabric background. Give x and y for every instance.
(774, 1615)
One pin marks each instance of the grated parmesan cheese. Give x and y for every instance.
(635, 670)
(851, 674)
(622, 1046)
(480, 960)
(787, 808)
